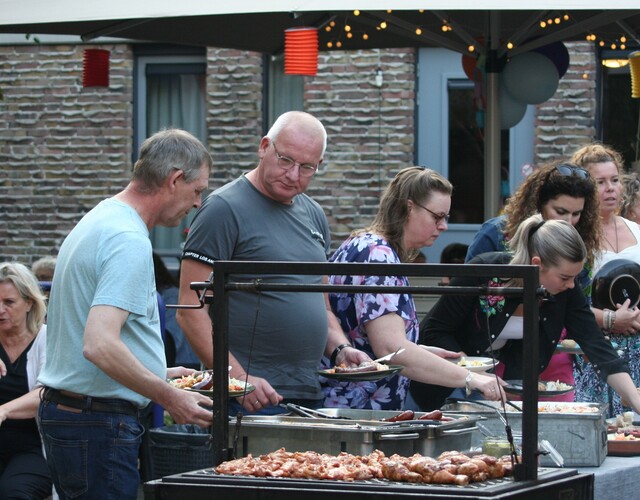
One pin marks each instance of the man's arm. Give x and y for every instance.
(103, 346)
(196, 325)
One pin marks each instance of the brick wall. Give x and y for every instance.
(567, 121)
(64, 148)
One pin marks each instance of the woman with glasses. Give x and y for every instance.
(413, 211)
(492, 325)
(621, 240)
(558, 191)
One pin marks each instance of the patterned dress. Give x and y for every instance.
(354, 311)
(589, 387)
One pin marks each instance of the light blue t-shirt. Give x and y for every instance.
(105, 260)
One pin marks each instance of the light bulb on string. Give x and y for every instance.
(338, 44)
(601, 43)
(623, 39)
(365, 36)
(356, 13)
(327, 29)
(565, 17)
(418, 31)
(471, 48)
(543, 24)
(349, 35)
(347, 28)
(509, 45)
(383, 25)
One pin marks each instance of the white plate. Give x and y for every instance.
(475, 363)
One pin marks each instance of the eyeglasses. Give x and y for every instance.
(286, 163)
(438, 218)
(569, 170)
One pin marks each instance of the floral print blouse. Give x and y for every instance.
(354, 311)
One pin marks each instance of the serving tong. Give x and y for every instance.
(303, 411)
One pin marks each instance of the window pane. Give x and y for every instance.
(466, 155)
(175, 98)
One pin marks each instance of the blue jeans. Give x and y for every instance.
(91, 455)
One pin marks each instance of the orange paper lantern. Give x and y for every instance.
(634, 63)
(95, 68)
(301, 51)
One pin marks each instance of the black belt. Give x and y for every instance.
(89, 403)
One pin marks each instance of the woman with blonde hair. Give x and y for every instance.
(23, 469)
(413, 211)
(621, 240)
(557, 191)
(492, 325)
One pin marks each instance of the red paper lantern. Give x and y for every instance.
(301, 51)
(95, 68)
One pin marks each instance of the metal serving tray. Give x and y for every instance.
(581, 438)
(359, 432)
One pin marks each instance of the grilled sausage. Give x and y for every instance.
(405, 415)
(432, 415)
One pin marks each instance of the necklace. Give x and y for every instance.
(615, 228)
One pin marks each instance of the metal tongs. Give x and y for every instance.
(303, 411)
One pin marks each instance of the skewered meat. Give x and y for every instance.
(449, 468)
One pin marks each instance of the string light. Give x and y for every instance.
(509, 45)
(347, 28)
(356, 13)
(543, 24)
(471, 48)
(418, 31)
(383, 25)
(349, 35)
(365, 36)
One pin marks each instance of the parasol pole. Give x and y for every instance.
(492, 146)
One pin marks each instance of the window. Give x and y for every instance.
(170, 92)
(620, 112)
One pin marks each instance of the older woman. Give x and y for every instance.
(621, 241)
(413, 211)
(23, 470)
(493, 325)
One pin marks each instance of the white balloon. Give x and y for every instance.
(531, 78)
(511, 110)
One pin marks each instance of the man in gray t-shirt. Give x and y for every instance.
(265, 216)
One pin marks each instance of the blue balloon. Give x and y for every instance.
(531, 78)
(511, 110)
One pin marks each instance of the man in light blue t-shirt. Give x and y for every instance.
(105, 355)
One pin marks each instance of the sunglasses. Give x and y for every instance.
(569, 170)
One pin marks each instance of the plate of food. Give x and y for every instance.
(623, 443)
(545, 388)
(475, 363)
(569, 346)
(367, 371)
(202, 382)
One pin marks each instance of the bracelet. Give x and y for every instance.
(608, 319)
(467, 383)
(336, 351)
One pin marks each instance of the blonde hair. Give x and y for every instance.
(27, 285)
(551, 240)
(598, 153)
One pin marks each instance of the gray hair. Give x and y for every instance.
(301, 120)
(169, 150)
(27, 285)
(551, 240)
(47, 263)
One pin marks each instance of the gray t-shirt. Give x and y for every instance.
(283, 333)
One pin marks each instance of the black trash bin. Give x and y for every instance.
(179, 448)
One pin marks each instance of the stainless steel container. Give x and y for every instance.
(581, 438)
(358, 432)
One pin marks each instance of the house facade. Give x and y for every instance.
(63, 148)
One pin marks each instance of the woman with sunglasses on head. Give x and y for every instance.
(621, 240)
(557, 191)
(413, 211)
(493, 325)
